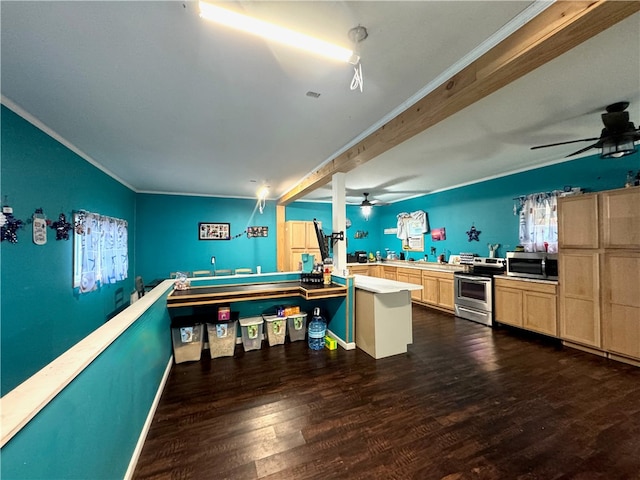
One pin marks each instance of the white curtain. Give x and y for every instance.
(539, 222)
(100, 251)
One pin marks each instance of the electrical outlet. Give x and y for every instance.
(213, 260)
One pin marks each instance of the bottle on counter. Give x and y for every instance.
(317, 330)
(327, 276)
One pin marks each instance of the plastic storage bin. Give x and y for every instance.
(297, 326)
(222, 336)
(251, 333)
(188, 339)
(276, 329)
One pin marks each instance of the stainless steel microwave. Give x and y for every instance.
(540, 265)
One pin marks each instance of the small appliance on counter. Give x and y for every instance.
(362, 256)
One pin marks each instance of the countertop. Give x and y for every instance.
(523, 279)
(418, 264)
(381, 285)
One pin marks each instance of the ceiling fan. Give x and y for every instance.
(617, 138)
(367, 205)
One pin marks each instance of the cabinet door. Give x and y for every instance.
(297, 233)
(359, 270)
(430, 289)
(508, 305)
(579, 300)
(621, 218)
(621, 303)
(312, 238)
(402, 276)
(445, 293)
(539, 312)
(375, 271)
(390, 273)
(578, 222)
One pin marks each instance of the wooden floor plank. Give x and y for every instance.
(465, 402)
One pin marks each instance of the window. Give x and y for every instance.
(539, 222)
(100, 252)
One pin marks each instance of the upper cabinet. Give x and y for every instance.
(577, 222)
(620, 213)
(300, 237)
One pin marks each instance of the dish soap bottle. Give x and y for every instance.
(317, 330)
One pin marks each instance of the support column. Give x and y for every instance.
(339, 221)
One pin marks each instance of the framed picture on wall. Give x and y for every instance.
(257, 232)
(214, 231)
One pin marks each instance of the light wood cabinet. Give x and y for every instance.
(600, 280)
(528, 305)
(390, 273)
(375, 271)
(411, 275)
(300, 237)
(620, 213)
(578, 222)
(579, 274)
(507, 302)
(437, 289)
(621, 303)
(362, 269)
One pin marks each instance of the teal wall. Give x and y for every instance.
(90, 429)
(41, 317)
(167, 235)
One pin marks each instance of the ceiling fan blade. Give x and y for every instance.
(564, 143)
(583, 149)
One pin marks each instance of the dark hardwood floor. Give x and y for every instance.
(466, 402)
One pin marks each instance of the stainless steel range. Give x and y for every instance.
(473, 289)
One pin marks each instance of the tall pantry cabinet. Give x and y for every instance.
(599, 262)
(300, 237)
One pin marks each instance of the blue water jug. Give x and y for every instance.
(317, 330)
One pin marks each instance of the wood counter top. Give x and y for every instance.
(211, 295)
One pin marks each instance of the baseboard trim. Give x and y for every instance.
(147, 424)
(342, 343)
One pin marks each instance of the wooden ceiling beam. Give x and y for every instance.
(556, 30)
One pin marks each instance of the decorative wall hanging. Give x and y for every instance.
(473, 234)
(411, 229)
(61, 227)
(257, 232)
(39, 222)
(10, 225)
(438, 234)
(214, 231)
(361, 234)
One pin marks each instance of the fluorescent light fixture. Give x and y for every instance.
(274, 32)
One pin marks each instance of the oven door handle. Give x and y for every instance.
(475, 279)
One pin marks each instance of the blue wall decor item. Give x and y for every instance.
(473, 233)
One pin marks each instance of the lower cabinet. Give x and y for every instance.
(359, 269)
(528, 305)
(437, 289)
(411, 275)
(390, 273)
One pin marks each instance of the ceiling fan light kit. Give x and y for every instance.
(617, 138)
(366, 206)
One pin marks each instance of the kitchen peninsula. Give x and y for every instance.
(383, 319)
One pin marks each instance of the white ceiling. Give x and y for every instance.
(167, 102)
